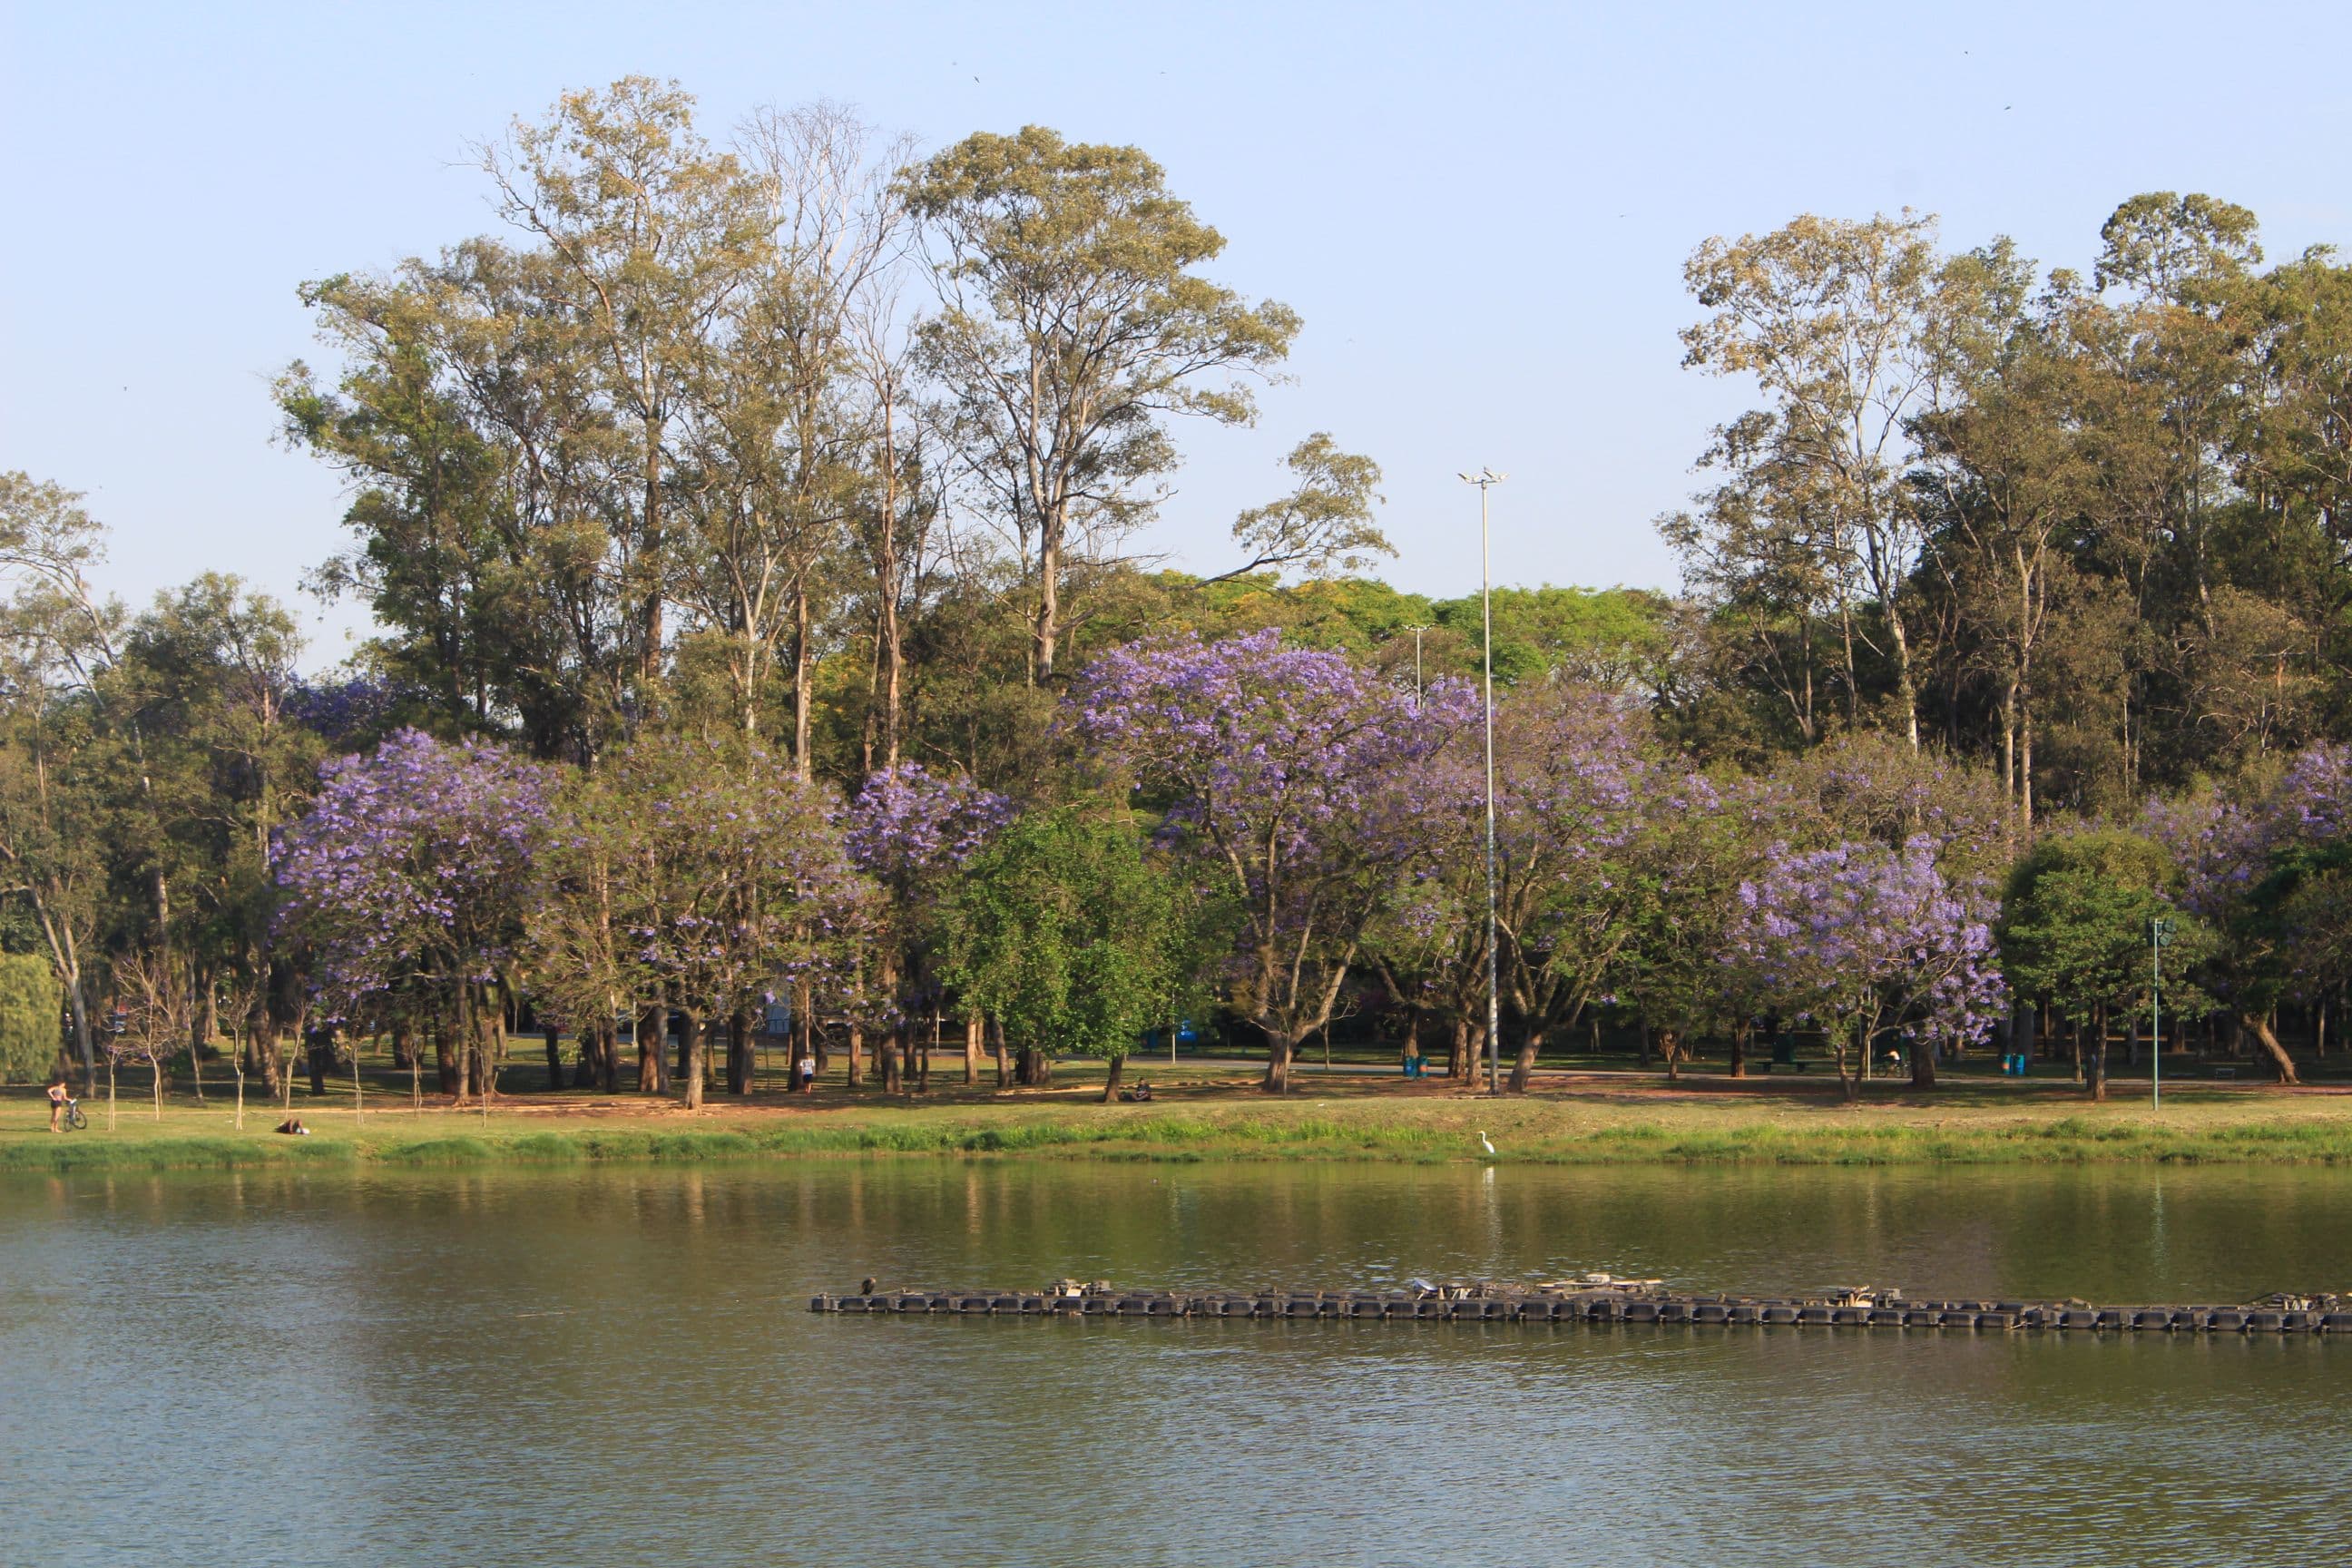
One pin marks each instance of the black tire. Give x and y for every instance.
(75, 1119)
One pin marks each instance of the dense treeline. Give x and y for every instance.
(749, 531)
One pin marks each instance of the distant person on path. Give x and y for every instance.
(58, 1098)
(806, 1068)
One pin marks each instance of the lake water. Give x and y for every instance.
(618, 1367)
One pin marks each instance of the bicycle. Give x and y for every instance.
(71, 1118)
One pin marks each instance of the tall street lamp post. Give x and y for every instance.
(1485, 479)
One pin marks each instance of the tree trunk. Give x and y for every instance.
(2095, 1060)
(857, 1056)
(804, 684)
(1457, 1050)
(494, 1045)
(996, 1037)
(692, 1050)
(555, 1039)
(199, 1029)
(80, 1006)
(315, 1058)
(1048, 631)
(740, 1060)
(474, 1050)
(445, 1059)
(653, 1067)
(588, 1069)
(261, 1048)
(1923, 1064)
(971, 1033)
(1278, 1047)
(1739, 1029)
(2260, 1029)
(1110, 1078)
(889, 1048)
(1523, 1065)
(1670, 1047)
(649, 553)
(890, 644)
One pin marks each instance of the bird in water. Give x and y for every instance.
(865, 1286)
(1482, 1143)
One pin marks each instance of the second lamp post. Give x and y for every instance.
(1485, 479)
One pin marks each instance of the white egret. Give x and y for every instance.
(1482, 1143)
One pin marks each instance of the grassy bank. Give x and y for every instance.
(1589, 1124)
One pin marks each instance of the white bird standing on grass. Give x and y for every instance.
(1482, 1143)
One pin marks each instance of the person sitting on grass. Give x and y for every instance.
(58, 1098)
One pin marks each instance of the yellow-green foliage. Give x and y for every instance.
(29, 1013)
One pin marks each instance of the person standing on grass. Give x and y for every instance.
(58, 1098)
(806, 1068)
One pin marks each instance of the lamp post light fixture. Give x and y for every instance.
(1486, 480)
(2159, 937)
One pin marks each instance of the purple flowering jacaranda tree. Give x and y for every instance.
(1572, 786)
(910, 830)
(410, 874)
(1860, 937)
(1297, 778)
(2268, 864)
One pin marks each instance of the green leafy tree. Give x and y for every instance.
(1067, 932)
(59, 823)
(1615, 638)
(1672, 955)
(1074, 318)
(1325, 524)
(2074, 928)
(1842, 325)
(649, 235)
(698, 876)
(30, 1001)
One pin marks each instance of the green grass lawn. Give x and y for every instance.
(1208, 1112)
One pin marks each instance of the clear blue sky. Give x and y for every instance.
(1481, 212)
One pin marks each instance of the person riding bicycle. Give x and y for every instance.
(58, 1098)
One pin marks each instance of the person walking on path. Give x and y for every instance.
(806, 1069)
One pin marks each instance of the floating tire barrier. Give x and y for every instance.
(1602, 1298)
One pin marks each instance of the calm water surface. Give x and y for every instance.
(617, 1367)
